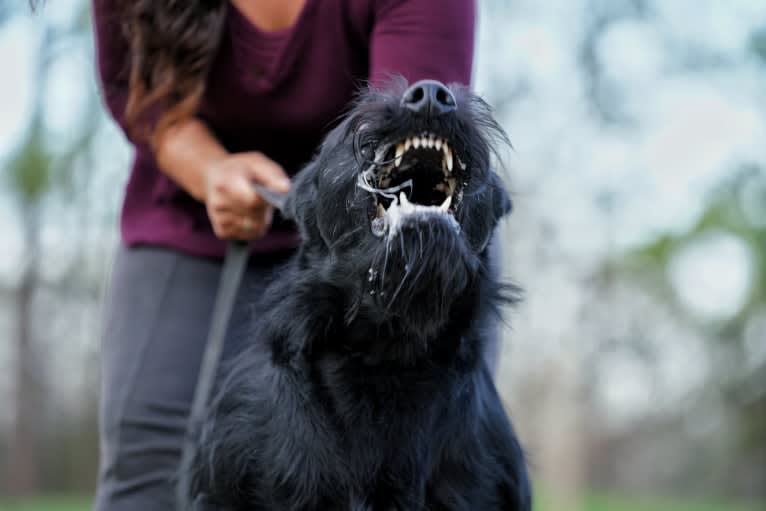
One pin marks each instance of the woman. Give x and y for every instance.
(216, 95)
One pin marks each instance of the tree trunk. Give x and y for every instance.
(22, 473)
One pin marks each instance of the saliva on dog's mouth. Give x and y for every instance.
(415, 178)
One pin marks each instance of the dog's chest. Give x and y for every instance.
(363, 452)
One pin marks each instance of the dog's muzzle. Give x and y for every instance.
(416, 178)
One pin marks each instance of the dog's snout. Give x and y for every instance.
(429, 98)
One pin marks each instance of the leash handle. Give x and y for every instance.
(277, 199)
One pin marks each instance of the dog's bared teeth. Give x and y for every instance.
(430, 140)
(446, 204)
(438, 144)
(407, 145)
(403, 200)
(423, 142)
(399, 153)
(416, 142)
(448, 158)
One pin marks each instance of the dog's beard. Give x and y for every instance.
(416, 275)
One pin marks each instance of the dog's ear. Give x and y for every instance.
(300, 206)
(501, 200)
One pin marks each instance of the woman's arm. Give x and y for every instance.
(192, 156)
(189, 152)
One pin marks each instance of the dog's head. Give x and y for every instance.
(401, 201)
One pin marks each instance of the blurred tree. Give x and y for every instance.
(758, 43)
(35, 173)
(737, 208)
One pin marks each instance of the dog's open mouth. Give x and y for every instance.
(418, 175)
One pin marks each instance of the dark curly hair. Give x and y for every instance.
(172, 45)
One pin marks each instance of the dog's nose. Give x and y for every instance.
(429, 98)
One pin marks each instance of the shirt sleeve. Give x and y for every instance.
(112, 58)
(421, 39)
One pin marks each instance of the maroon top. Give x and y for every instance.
(279, 92)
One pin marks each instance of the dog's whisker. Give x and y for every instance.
(407, 270)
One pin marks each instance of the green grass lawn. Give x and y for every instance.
(46, 504)
(621, 503)
(593, 503)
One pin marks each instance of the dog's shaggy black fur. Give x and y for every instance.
(364, 386)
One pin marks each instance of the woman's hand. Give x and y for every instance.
(235, 209)
(194, 158)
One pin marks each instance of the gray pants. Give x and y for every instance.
(157, 318)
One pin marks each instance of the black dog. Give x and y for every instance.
(364, 387)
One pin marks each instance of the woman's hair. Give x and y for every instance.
(172, 46)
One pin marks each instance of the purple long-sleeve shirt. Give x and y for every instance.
(279, 92)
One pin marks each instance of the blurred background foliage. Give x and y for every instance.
(636, 367)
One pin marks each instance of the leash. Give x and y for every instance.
(234, 264)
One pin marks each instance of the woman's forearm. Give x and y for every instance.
(186, 152)
(191, 155)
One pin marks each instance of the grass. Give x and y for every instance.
(595, 502)
(47, 504)
(618, 502)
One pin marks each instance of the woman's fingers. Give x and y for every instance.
(267, 172)
(234, 225)
(232, 180)
(235, 209)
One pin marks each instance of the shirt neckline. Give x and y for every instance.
(282, 33)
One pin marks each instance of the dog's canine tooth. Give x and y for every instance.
(448, 155)
(446, 204)
(399, 153)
